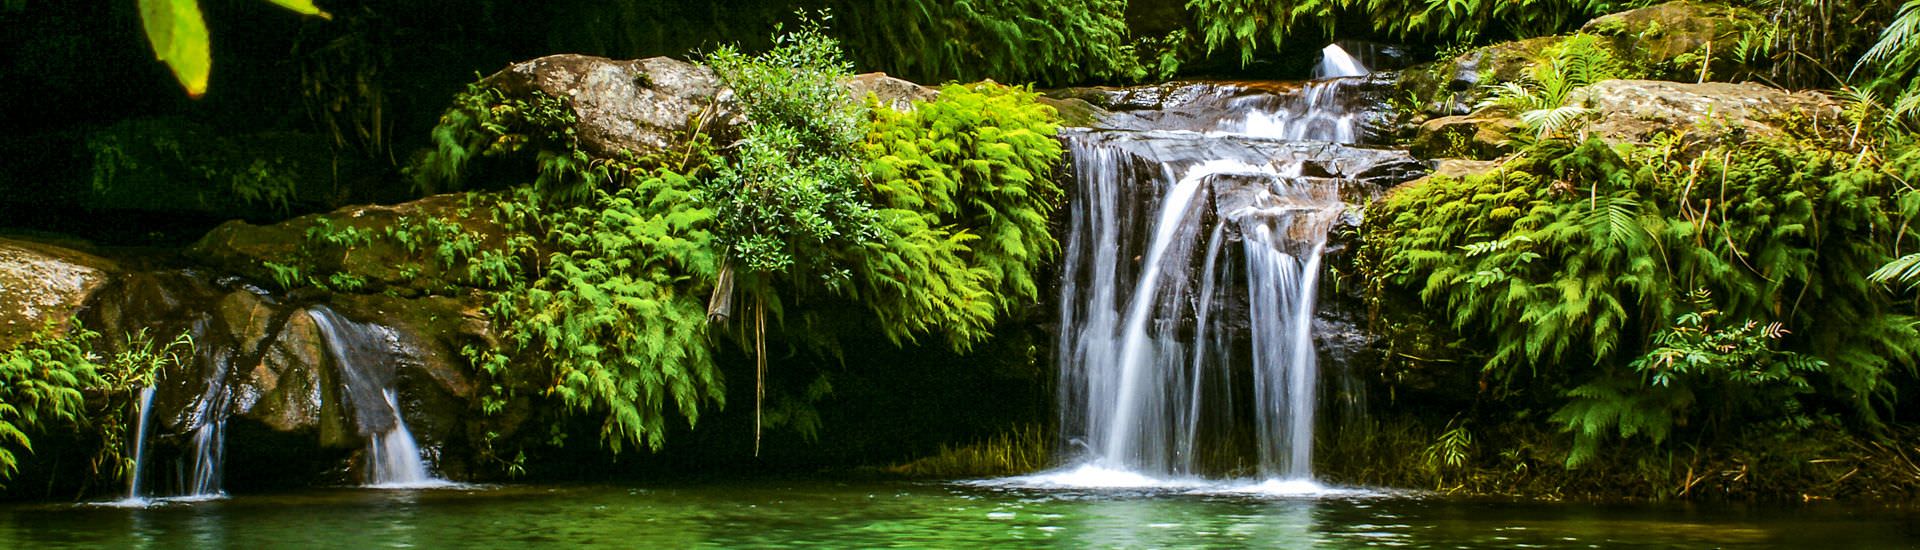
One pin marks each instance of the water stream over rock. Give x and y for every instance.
(362, 355)
(1190, 277)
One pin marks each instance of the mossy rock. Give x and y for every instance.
(1675, 39)
(370, 248)
(1638, 111)
(1479, 136)
(1456, 85)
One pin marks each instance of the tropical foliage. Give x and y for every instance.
(1565, 260)
(934, 220)
(51, 379)
(1242, 24)
(1052, 42)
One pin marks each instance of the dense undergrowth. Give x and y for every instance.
(931, 222)
(1675, 305)
(63, 381)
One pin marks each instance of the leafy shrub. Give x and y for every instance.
(144, 163)
(791, 194)
(1695, 370)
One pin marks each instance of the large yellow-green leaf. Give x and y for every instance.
(179, 37)
(305, 7)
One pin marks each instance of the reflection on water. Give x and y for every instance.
(870, 514)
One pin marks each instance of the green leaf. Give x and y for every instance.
(179, 38)
(304, 7)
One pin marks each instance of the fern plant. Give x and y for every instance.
(42, 381)
(1544, 98)
(1567, 264)
(964, 186)
(1697, 371)
(1894, 61)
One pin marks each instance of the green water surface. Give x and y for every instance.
(867, 514)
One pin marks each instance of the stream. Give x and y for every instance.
(869, 514)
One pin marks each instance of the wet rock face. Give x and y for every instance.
(42, 284)
(284, 389)
(1223, 106)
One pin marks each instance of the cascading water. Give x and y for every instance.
(1184, 358)
(210, 427)
(362, 355)
(135, 497)
(393, 459)
(1335, 62)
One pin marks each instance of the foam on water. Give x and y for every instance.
(1089, 477)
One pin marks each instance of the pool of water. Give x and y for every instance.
(865, 514)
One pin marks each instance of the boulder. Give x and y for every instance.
(1670, 40)
(646, 105)
(42, 284)
(1674, 39)
(1635, 111)
(641, 105)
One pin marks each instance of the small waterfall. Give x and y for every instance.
(1182, 357)
(363, 355)
(1335, 62)
(393, 459)
(210, 429)
(135, 497)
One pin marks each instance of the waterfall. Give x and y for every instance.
(393, 459)
(1335, 62)
(210, 427)
(363, 356)
(134, 477)
(1182, 357)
